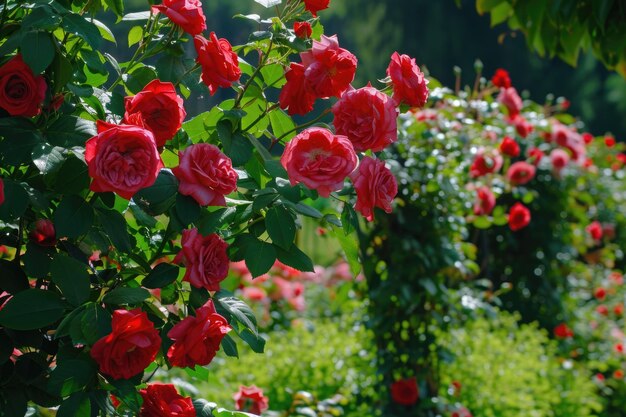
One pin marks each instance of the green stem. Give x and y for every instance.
(304, 125)
(258, 119)
(256, 72)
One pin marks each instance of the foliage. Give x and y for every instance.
(501, 368)
(566, 28)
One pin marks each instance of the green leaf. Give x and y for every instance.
(282, 123)
(47, 159)
(16, 201)
(160, 196)
(77, 405)
(137, 16)
(70, 131)
(79, 26)
(484, 6)
(12, 278)
(134, 35)
(295, 258)
(139, 78)
(74, 217)
(269, 3)
(170, 67)
(114, 225)
(116, 6)
(72, 278)
(105, 32)
(349, 245)
(230, 347)
(237, 309)
(187, 209)
(37, 260)
(32, 309)
(255, 341)
(482, 222)
(162, 275)
(37, 50)
(281, 226)
(124, 295)
(259, 256)
(73, 177)
(95, 323)
(236, 146)
(20, 137)
(70, 376)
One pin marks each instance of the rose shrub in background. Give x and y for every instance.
(121, 214)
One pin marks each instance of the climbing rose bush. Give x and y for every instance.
(121, 212)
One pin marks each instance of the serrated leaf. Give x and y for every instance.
(238, 309)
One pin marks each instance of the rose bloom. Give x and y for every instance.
(600, 293)
(522, 126)
(123, 159)
(205, 259)
(562, 331)
(254, 293)
(595, 230)
(251, 400)
(535, 155)
(511, 100)
(296, 96)
(501, 78)
(509, 147)
(197, 339)
(486, 162)
(609, 141)
(319, 160)
(21, 91)
(485, 201)
(303, 30)
(559, 159)
(220, 65)
(375, 186)
(618, 374)
(618, 310)
(410, 86)
(571, 140)
(187, 14)
(520, 173)
(162, 400)
(618, 348)
(602, 310)
(44, 234)
(405, 391)
(328, 69)
(206, 174)
(587, 138)
(519, 217)
(131, 346)
(315, 6)
(461, 412)
(159, 109)
(368, 118)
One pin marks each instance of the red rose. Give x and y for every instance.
(1, 191)
(21, 91)
(162, 400)
(251, 400)
(535, 155)
(123, 159)
(205, 259)
(618, 348)
(296, 96)
(206, 174)
(559, 159)
(587, 138)
(461, 412)
(519, 217)
(159, 108)
(44, 234)
(609, 141)
(131, 346)
(375, 186)
(616, 278)
(368, 118)
(197, 339)
(618, 310)
(319, 160)
(602, 310)
(220, 65)
(486, 162)
(511, 100)
(328, 69)
(485, 201)
(522, 127)
(571, 140)
(600, 293)
(618, 374)
(409, 84)
(509, 147)
(303, 30)
(501, 78)
(405, 391)
(316, 5)
(520, 173)
(185, 13)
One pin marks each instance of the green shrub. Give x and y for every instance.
(510, 370)
(322, 357)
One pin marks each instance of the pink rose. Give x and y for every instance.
(123, 159)
(559, 159)
(251, 399)
(329, 69)
(159, 109)
(375, 186)
(520, 173)
(409, 84)
(485, 201)
(319, 160)
(509, 147)
(206, 174)
(187, 14)
(220, 65)
(367, 117)
(205, 259)
(511, 100)
(486, 162)
(296, 96)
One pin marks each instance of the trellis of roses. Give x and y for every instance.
(121, 213)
